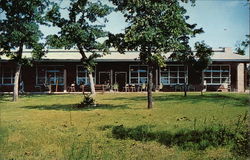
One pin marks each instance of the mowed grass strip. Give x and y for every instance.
(50, 127)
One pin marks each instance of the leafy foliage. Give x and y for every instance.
(155, 28)
(81, 29)
(87, 102)
(202, 57)
(19, 26)
(242, 45)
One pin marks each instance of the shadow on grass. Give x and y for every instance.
(197, 139)
(8, 97)
(193, 99)
(72, 107)
(5, 98)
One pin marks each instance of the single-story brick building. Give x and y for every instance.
(60, 68)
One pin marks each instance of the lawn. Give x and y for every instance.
(50, 127)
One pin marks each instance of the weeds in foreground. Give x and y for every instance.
(215, 135)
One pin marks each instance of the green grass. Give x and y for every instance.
(49, 127)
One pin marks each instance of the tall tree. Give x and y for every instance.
(155, 28)
(19, 26)
(82, 30)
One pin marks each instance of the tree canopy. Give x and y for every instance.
(82, 29)
(155, 28)
(19, 26)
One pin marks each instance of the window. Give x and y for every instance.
(50, 75)
(138, 74)
(173, 74)
(217, 74)
(7, 75)
(82, 76)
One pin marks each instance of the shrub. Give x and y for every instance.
(88, 101)
(120, 132)
(140, 133)
(165, 137)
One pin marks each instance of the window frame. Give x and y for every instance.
(12, 76)
(177, 77)
(86, 75)
(220, 77)
(45, 74)
(138, 74)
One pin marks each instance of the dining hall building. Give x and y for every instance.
(62, 68)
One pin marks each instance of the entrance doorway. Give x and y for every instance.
(121, 79)
(104, 78)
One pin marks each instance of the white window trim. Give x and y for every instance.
(211, 77)
(138, 76)
(77, 77)
(178, 77)
(45, 77)
(11, 78)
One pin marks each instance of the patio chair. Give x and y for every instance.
(225, 87)
(204, 88)
(143, 87)
(73, 87)
(132, 87)
(126, 88)
(82, 88)
(160, 87)
(115, 87)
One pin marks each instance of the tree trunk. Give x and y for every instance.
(84, 58)
(16, 82)
(92, 85)
(17, 72)
(185, 89)
(150, 87)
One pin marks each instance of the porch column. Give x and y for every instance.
(240, 77)
(111, 77)
(111, 80)
(65, 80)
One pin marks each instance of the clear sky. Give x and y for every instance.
(224, 21)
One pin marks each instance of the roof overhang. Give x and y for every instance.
(130, 56)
